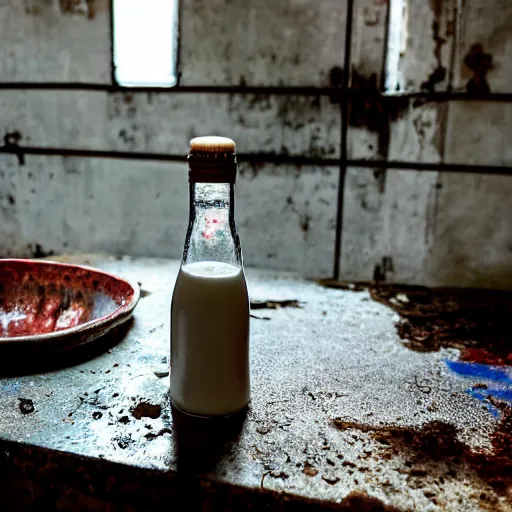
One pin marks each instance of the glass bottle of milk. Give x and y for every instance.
(210, 305)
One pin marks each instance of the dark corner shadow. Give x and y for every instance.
(17, 362)
(201, 443)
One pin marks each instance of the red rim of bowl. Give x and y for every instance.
(121, 313)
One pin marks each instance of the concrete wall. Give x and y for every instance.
(404, 226)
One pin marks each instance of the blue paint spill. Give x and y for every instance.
(481, 371)
(500, 394)
(481, 395)
(498, 377)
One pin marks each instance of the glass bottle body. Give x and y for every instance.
(210, 310)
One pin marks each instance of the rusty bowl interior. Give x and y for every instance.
(43, 301)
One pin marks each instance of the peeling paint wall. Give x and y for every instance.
(160, 123)
(462, 234)
(429, 33)
(485, 28)
(400, 226)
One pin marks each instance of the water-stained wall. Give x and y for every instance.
(397, 225)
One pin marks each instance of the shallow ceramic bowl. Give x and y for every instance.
(47, 306)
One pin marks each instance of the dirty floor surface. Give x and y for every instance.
(348, 411)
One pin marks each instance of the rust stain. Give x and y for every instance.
(147, 410)
(309, 469)
(370, 109)
(92, 7)
(474, 321)
(450, 28)
(381, 269)
(371, 17)
(480, 63)
(73, 7)
(363, 502)
(439, 74)
(88, 8)
(501, 438)
(437, 7)
(437, 441)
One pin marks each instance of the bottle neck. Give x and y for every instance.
(212, 233)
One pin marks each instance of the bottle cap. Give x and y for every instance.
(212, 160)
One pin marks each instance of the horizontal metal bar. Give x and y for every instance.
(20, 151)
(90, 153)
(260, 158)
(432, 167)
(498, 97)
(206, 89)
(242, 89)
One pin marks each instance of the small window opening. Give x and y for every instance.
(145, 36)
(397, 44)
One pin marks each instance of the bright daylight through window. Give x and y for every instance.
(145, 42)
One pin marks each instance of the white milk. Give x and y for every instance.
(210, 339)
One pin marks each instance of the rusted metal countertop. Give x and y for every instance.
(344, 413)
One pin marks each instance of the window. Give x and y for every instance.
(397, 43)
(145, 36)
